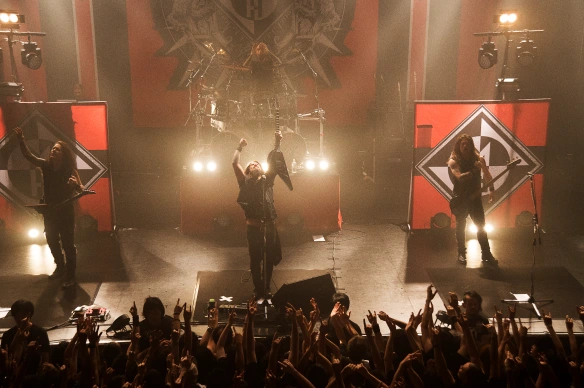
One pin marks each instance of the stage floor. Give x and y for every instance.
(378, 265)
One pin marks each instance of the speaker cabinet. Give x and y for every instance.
(321, 288)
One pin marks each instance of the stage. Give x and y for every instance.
(379, 266)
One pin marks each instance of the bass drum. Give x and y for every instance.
(223, 145)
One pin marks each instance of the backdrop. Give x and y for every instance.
(502, 132)
(82, 126)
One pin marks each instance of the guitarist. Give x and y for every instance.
(466, 165)
(60, 181)
(256, 197)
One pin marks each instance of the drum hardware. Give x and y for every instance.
(316, 114)
(235, 67)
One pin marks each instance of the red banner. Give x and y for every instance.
(167, 43)
(84, 128)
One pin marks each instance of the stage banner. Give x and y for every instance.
(502, 132)
(84, 128)
(172, 44)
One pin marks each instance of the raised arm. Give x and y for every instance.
(25, 151)
(239, 173)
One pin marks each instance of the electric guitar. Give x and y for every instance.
(276, 157)
(459, 203)
(44, 208)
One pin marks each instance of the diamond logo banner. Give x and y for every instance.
(20, 181)
(496, 143)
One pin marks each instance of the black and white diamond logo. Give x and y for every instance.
(20, 181)
(496, 143)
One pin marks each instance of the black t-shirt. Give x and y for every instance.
(472, 184)
(37, 334)
(55, 187)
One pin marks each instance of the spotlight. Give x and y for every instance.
(119, 324)
(33, 233)
(10, 19)
(323, 164)
(310, 165)
(223, 220)
(487, 55)
(489, 228)
(526, 52)
(211, 166)
(294, 219)
(506, 18)
(440, 221)
(31, 55)
(473, 228)
(524, 219)
(198, 166)
(265, 166)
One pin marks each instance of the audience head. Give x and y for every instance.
(343, 299)
(153, 311)
(472, 302)
(471, 375)
(357, 349)
(22, 309)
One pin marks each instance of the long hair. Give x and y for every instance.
(456, 155)
(69, 158)
(248, 165)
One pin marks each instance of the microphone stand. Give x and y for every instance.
(531, 301)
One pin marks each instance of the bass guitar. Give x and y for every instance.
(44, 208)
(459, 203)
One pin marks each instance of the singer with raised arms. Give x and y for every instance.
(256, 197)
(60, 181)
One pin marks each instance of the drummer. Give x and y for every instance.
(262, 63)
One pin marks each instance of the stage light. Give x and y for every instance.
(487, 55)
(198, 166)
(440, 221)
(294, 219)
(11, 19)
(524, 219)
(526, 52)
(310, 165)
(223, 220)
(506, 18)
(31, 55)
(323, 164)
(265, 166)
(473, 228)
(489, 228)
(211, 166)
(33, 233)
(119, 324)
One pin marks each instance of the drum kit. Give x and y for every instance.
(239, 109)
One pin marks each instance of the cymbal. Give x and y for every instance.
(207, 88)
(235, 67)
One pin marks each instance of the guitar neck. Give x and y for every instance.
(277, 143)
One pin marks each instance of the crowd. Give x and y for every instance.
(307, 352)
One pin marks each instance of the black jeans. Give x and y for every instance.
(477, 215)
(255, 242)
(60, 234)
